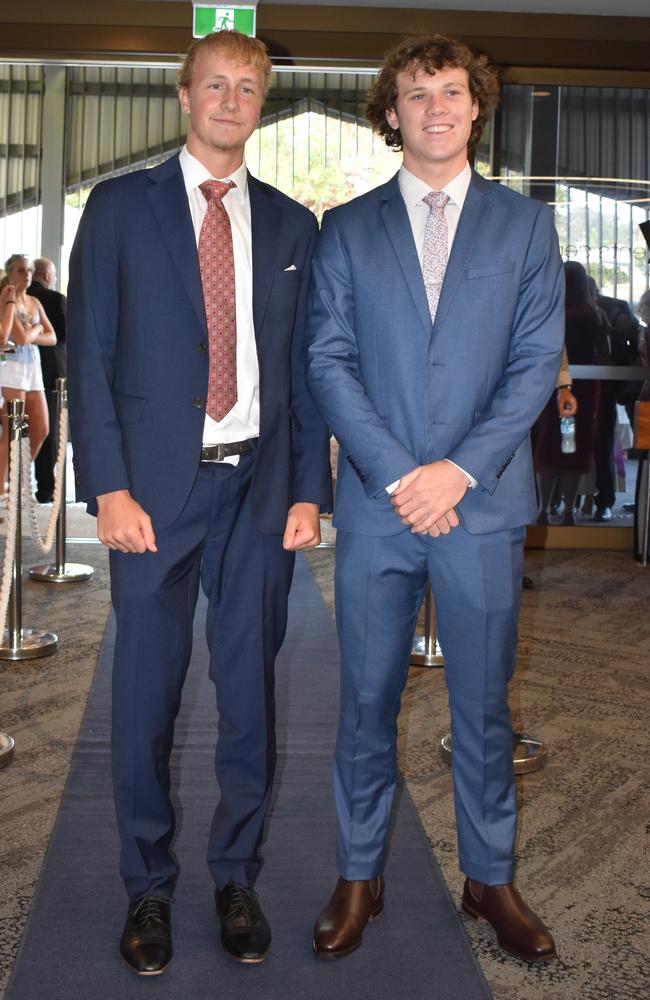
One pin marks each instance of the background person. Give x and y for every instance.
(586, 344)
(53, 366)
(21, 374)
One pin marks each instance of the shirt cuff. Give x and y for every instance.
(472, 482)
(393, 486)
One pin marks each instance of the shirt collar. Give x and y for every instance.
(413, 189)
(195, 173)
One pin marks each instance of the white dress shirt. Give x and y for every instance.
(243, 421)
(413, 190)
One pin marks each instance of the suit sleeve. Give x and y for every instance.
(92, 332)
(312, 474)
(333, 370)
(533, 362)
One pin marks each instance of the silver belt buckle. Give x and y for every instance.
(221, 453)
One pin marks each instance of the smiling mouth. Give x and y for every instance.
(438, 129)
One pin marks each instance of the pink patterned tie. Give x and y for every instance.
(435, 248)
(217, 264)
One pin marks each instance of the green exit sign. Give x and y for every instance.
(208, 18)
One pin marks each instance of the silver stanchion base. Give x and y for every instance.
(6, 749)
(72, 573)
(32, 645)
(425, 654)
(528, 752)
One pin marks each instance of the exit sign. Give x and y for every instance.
(208, 18)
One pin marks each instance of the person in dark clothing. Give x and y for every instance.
(53, 367)
(624, 339)
(586, 344)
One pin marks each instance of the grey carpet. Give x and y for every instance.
(417, 949)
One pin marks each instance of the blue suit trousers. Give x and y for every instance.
(246, 576)
(476, 583)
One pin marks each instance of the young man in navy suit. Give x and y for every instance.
(435, 329)
(199, 448)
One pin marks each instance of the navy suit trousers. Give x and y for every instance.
(246, 576)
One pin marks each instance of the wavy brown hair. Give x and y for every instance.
(431, 53)
(233, 45)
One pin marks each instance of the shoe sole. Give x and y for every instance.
(246, 961)
(158, 972)
(480, 919)
(346, 951)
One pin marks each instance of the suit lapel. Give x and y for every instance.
(168, 199)
(398, 227)
(265, 231)
(475, 209)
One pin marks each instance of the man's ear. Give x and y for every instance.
(391, 118)
(184, 99)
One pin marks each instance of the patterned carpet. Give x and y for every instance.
(581, 684)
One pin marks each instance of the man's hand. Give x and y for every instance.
(567, 404)
(123, 525)
(426, 497)
(303, 527)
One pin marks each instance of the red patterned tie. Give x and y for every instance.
(217, 265)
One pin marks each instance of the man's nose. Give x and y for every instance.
(437, 104)
(229, 99)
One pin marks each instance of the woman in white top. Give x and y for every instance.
(23, 326)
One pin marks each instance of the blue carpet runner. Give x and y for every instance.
(416, 950)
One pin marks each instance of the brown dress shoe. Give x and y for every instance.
(339, 928)
(518, 929)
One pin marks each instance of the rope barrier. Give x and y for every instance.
(61, 571)
(16, 642)
(28, 500)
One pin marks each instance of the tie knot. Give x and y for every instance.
(436, 199)
(216, 189)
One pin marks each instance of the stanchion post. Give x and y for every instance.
(6, 749)
(644, 505)
(17, 427)
(426, 651)
(62, 572)
(20, 643)
(528, 752)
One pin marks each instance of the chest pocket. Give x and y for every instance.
(490, 270)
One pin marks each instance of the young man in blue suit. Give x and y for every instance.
(199, 448)
(435, 331)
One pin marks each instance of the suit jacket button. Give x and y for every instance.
(199, 403)
(203, 348)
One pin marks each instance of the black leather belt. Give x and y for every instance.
(217, 452)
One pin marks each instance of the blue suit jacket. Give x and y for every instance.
(137, 349)
(398, 392)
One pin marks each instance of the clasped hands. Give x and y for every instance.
(427, 496)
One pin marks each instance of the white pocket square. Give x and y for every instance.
(292, 267)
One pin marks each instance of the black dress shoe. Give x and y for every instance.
(44, 497)
(603, 514)
(146, 943)
(245, 933)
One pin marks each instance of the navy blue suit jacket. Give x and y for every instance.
(138, 358)
(399, 392)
